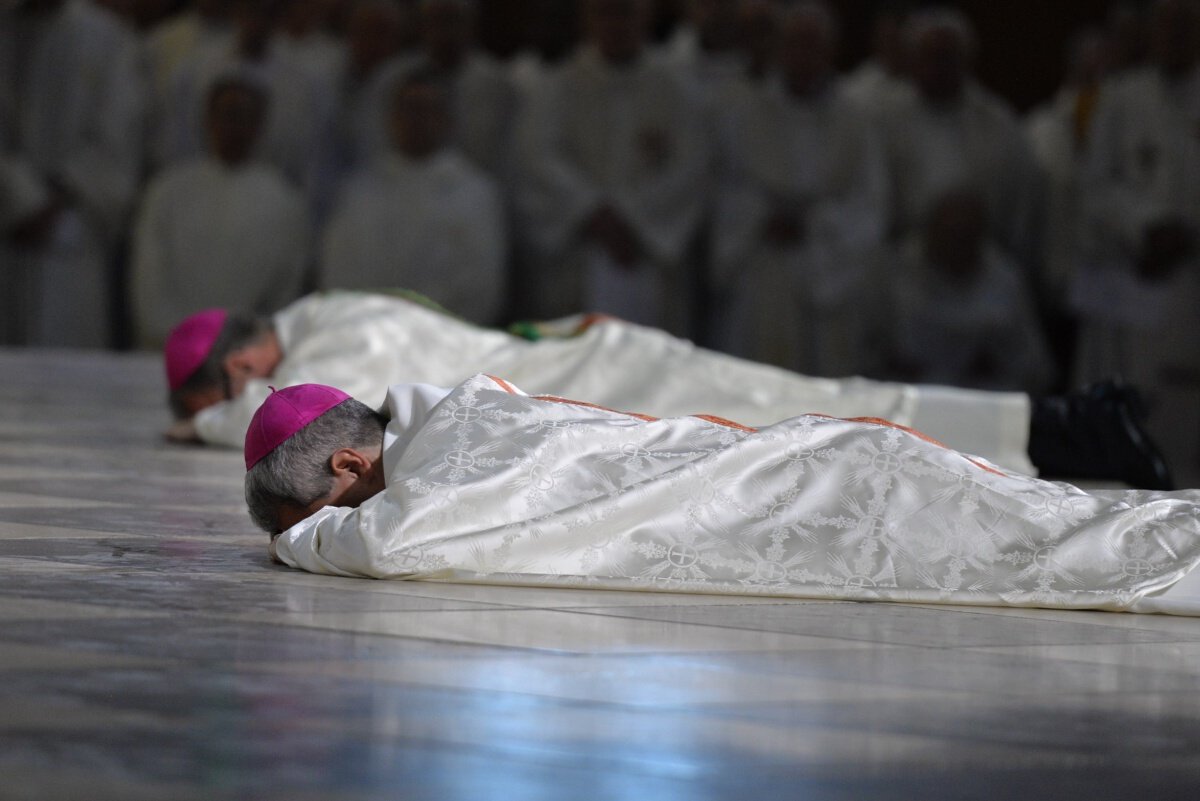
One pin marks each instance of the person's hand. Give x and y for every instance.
(1166, 244)
(608, 228)
(183, 431)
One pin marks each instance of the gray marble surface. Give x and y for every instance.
(149, 650)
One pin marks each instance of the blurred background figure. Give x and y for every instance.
(613, 155)
(424, 218)
(960, 312)
(1138, 289)
(758, 36)
(298, 131)
(1058, 133)
(549, 34)
(201, 24)
(476, 85)
(142, 15)
(224, 229)
(1128, 29)
(305, 38)
(126, 10)
(72, 103)
(364, 78)
(952, 132)
(802, 209)
(883, 77)
(705, 48)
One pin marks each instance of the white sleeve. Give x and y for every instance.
(336, 541)
(367, 542)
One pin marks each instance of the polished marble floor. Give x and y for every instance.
(149, 650)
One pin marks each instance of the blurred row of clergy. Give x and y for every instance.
(728, 184)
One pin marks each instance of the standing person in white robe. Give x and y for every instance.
(1138, 289)
(204, 27)
(424, 217)
(303, 36)
(219, 230)
(882, 79)
(297, 137)
(485, 484)
(758, 36)
(27, 219)
(72, 99)
(959, 312)
(952, 132)
(705, 48)
(801, 211)
(478, 87)
(481, 97)
(203, 24)
(1058, 134)
(613, 156)
(548, 29)
(221, 366)
(364, 77)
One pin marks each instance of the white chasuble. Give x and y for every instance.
(494, 486)
(362, 343)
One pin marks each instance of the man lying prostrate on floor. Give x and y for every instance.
(219, 367)
(482, 483)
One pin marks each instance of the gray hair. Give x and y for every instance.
(298, 472)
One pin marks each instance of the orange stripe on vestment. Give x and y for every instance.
(879, 421)
(721, 421)
(590, 319)
(504, 385)
(555, 399)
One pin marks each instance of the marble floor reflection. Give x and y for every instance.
(149, 650)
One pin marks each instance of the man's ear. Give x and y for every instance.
(347, 462)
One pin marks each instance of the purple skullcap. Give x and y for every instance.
(284, 413)
(190, 343)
